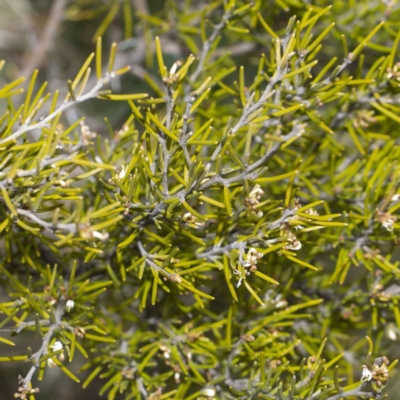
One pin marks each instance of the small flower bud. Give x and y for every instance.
(395, 197)
(387, 220)
(175, 278)
(293, 242)
(69, 305)
(87, 134)
(56, 346)
(51, 363)
(366, 374)
(208, 392)
(122, 173)
(252, 201)
(252, 258)
(191, 220)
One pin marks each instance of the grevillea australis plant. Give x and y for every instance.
(234, 237)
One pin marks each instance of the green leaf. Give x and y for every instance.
(265, 277)
(253, 293)
(65, 370)
(228, 276)
(99, 338)
(6, 341)
(300, 262)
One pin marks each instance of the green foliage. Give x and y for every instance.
(235, 236)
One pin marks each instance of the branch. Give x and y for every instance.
(72, 228)
(241, 246)
(184, 136)
(166, 157)
(43, 123)
(43, 349)
(219, 250)
(286, 214)
(46, 40)
(208, 43)
(249, 172)
(34, 171)
(169, 101)
(22, 325)
(169, 104)
(141, 6)
(356, 392)
(152, 264)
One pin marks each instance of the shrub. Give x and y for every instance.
(235, 236)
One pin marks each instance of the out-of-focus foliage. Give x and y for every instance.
(224, 222)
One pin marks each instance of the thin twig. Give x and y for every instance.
(249, 172)
(44, 45)
(165, 164)
(241, 245)
(149, 261)
(22, 325)
(72, 228)
(169, 104)
(184, 136)
(43, 123)
(207, 45)
(34, 171)
(169, 101)
(219, 250)
(141, 6)
(44, 347)
(356, 392)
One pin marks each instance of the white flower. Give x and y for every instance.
(280, 304)
(395, 197)
(56, 346)
(208, 392)
(87, 134)
(240, 282)
(311, 211)
(166, 351)
(256, 193)
(252, 259)
(295, 246)
(99, 235)
(88, 233)
(188, 218)
(387, 220)
(174, 67)
(172, 75)
(191, 220)
(252, 201)
(392, 334)
(51, 363)
(293, 242)
(392, 331)
(366, 374)
(122, 173)
(388, 225)
(69, 305)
